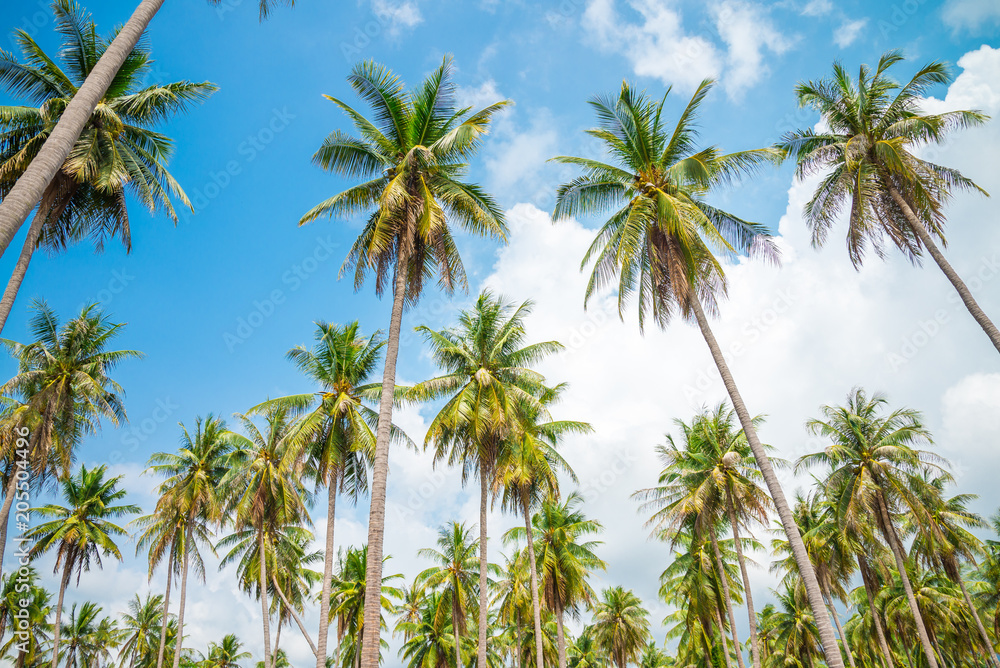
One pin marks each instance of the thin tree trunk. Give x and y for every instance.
(870, 594)
(520, 641)
(188, 533)
(963, 290)
(751, 614)
(484, 588)
(533, 567)
(324, 601)
(454, 624)
(23, 260)
(8, 500)
(561, 636)
(380, 472)
(840, 629)
(295, 616)
(722, 634)
(724, 581)
(277, 639)
(30, 187)
(265, 613)
(979, 623)
(806, 571)
(166, 609)
(897, 553)
(57, 626)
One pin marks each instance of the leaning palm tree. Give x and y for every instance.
(117, 152)
(81, 531)
(621, 625)
(79, 104)
(412, 157)
(660, 239)
(871, 462)
(867, 157)
(488, 376)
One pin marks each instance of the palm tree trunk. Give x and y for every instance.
(454, 624)
(57, 624)
(484, 588)
(166, 608)
(806, 571)
(979, 623)
(265, 613)
(8, 501)
(751, 614)
(21, 268)
(380, 472)
(324, 601)
(536, 611)
(724, 581)
(277, 639)
(870, 594)
(28, 190)
(561, 635)
(722, 634)
(189, 532)
(840, 629)
(295, 616)
(897, 553)
(949, 272)
(520, 641)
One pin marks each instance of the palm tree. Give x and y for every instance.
(487, 377)
(81, 531)
(192, 491)
(621, 625)
(141, 629)
(429, 639)
(63, 381)
(80, 104)
(25, 603)
(791, 630)
(660, 243)
(348, 602)
(162, 535)
(455, 572)
(654, 657)
(89, 640)
(514, 597)
(872, 462)
(412, 157)
(338, 427)
(226, 654)
(117, 150)
(585, 652)
(875, 124)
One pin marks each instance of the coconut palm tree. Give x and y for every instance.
(63, 381)
(791, 630)
(872, 461)
(192, 495)
(488, 375)
(226, 654)
(22, 596)
(455, 573)
(79, 105)
(117, 152)
(348, 603)
(585, 651)
(621, 625)
(89, 637)
(654, 657)
(161, 534)
(868, 163)
(141, 626)
(659, 242)
(430, 639)
(514, 598)
(412, 158)
(81, 531)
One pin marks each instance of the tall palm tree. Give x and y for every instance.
(874, 126)
(80, 103)
(412, 157)
(488, 375)
(162, 536)
(89, 638)
(514, 598)
(621, 625)
(872, 461)
(348, 603)
(455, 572)
(141, 626)
(81, 531)
(226, 654)
(63, 379)
(429, 639)
(660, 239)
(117, 151)
(192, 490)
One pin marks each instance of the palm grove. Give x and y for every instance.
(879, 562)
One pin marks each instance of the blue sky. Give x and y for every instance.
(244, 159)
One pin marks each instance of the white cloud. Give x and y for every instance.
(972, 15)
(848, 32)
(817, 7)
(397, 15)
(747, 31)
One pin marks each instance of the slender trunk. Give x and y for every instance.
(561, 636)
(727, 598)
(722, 634)
(979, 623)
(277, 639)
(324, 601)
(949, 272)
(357, 650)
(533, 568)
(380, 472)
(484, 583)
(520, 641)
(57, 625)
(23, 260)
(840, 629)
(28, 190)
(295, 616)
(808, 574)
(751, 614)
(870, 594)
(897, 553)
(8, 501)
(455, 625)
(189, 532)
(264, 612)
(166, 609)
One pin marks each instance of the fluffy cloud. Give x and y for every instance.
(747, 32)
(397, 15)
(972, 15)
(848, 32)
